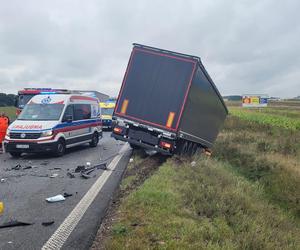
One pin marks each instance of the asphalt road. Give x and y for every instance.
(24, 192)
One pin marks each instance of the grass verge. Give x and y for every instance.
(203, 207)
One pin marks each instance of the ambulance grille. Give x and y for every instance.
(24, 135)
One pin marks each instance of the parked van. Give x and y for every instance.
(54, 122)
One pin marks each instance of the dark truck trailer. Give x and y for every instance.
(167, 102)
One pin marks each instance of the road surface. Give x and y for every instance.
(76, 219)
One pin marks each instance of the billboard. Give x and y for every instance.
(255, 101)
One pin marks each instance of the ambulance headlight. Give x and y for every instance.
(47, 133)
(7, 132)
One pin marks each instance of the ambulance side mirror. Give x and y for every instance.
(68, 118)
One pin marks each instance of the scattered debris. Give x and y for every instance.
(193, 163)
(79, 169)
(85, 176)
(70, 175)
(27, 167)
(56, 198)
(48, 223)
(15, 223)
(44, 163)
(67, 195)
(2, 180)
(17, 167)
(130, 160)
(88, 163)
(102, 166)
(53, 175)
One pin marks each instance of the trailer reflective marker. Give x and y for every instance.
(170, 119)
(124, 106)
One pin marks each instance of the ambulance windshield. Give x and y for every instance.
(41, 112)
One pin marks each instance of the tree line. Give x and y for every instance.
(7, 100)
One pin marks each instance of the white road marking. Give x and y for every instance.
(60, 236)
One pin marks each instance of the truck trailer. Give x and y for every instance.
(167, 103)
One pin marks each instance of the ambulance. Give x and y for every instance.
(54, 122)
(107, 110)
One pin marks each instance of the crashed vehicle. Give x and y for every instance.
(168, 103)
(54, 122)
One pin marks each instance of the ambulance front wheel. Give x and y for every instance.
(95, 140)
(60, 148)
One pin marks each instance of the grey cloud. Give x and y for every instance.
(247, 46)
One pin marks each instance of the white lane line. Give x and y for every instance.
(60, 236)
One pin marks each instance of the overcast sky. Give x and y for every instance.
(246, 46)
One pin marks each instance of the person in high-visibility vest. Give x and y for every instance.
(4, 122)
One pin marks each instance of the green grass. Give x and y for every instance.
(260, 116)
(204, 207)
(9, 111)
(246, 196)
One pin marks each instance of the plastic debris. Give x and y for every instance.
(2, 180)
(85, 176)
(70, 175)
(53, 175)
(131, 160)
(193, 163)
(17, 167)
(79, 169)
(56, 198)
(67, 195)
(88, 164)
(48, 223)
(27, 167)
(15, 223)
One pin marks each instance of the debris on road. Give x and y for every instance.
(79, 169)
(27, 167)
(193, 163)
(2, 180)
(15, 223)
(70, 175)
(44, 163)
(130, 160)
(53, 175)
(48, 223)
(17, 167)
(56, 198)
(85, 176)
(67, 195)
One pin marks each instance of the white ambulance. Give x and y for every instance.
(54, 122)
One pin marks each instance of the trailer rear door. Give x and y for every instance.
(155, 88)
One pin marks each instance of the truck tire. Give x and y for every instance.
(95, 140)
(15, 154)
(60, 148)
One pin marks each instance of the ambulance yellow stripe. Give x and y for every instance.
(170, 119)
(124, 106)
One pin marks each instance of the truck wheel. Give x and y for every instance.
(15, 154)
(195, 148)
(60, 148)
(184, 148)
(95, 140)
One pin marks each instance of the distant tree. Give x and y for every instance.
(7, 100)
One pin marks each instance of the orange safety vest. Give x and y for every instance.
(3, 127)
